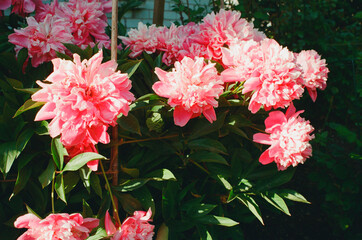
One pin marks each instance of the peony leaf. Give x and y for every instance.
(8, 153)
(130, 67)
(207, 144)
(216, 220)
(250, 203)
(145, 197)
(204, 156)
(46, 177)
(59, 187)
(58, 152)
(29, 104)
(81, 159)
(130, 123)
(200, 209)
(276, 201)
(161, 174)
(292, 195)
(70, 181)
(131, 184)
(100, 234)
(95, 184)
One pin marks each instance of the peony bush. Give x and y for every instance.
(179, 115)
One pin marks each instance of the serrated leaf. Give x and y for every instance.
(207, 144)
(216, 220)
(250, 203)
(81, 159)
(292, 195)
(276, 201)
(130, 123)
(161, 175)
(46, 177)
(59, 187)
(204, 156)
(29, 104)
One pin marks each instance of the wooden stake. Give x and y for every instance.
(114, 135)
(222, 5)
(158, 10)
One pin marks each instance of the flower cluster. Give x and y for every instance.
(83, 99)
(135, 227)
(56, 226)
(289, 136)
(78, 22)
(191, 88)
(193, 40)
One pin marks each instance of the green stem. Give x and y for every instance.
(198, 165)
(52, 193)
(111, 195)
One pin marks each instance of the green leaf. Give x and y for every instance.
(46, 177)
(224, 182)
(128, 202)
(29, 104)
(169, 194)
(131, 185)
(276, 201)
(100, 233)
(8, 153)
(204, 234)
(22, 56)
(58, 152)
(70, 181)
(87, 210)
(130, 123)
(42, 128)
(59, 187)
(162, 233)
(250, 203)
(27, 90)
(130, 67)
(81, 159)
(64, 56)
(143, 195)
(279, 179)
(203, 129)
(237, 131)
(292, 195)
(204, 156)
(216, 220)
(22, 179)
(95, 184)
(75, 49)
(29, 210)
(207, 144)
(24, 138)
(161, 175)
(84, 174)
(14, 83)
(201, 209)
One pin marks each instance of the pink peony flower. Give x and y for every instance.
(83, 99)
(54, 9)
(276, 79)
(87, 22)
(24, 7)
(289, 136)
(142, 39)
(56, 226)
(42, 39)
(315, 71)
(224, 27)
(82, 148)
(133, 228)
(191, 88)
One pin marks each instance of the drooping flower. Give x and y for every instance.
(224, 27)
(87, 23)
(315, 71)
(192, 88)
(276, 81)
(289, 136)
(42, 39)
(136, 227)
(56, 226)
(83, 99)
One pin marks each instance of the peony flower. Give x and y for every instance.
(315, 71)
(83, 99)
(191, 88)
(24, 7)
(54, 9)
(289, 136)
(56, 226)
(82, 148)
(276, 80)
(224, 27)
(5, 4)
(42, 39)
(87, 22)
(133, 228)
(142, 39)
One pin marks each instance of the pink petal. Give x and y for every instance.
(264, 158)
(26, 221)
(209, 113)
(312, 94)
(262, 138)
(108, 224)
(93, 165)
(5, 4)
(230, 75)
(161, 74)
(90, 223)
(46, 112)
(275, 118)
(290, 111)
(181, 116)
(251, 84)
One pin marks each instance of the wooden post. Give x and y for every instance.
(158, 11)
(114, 135)
(222, 5)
